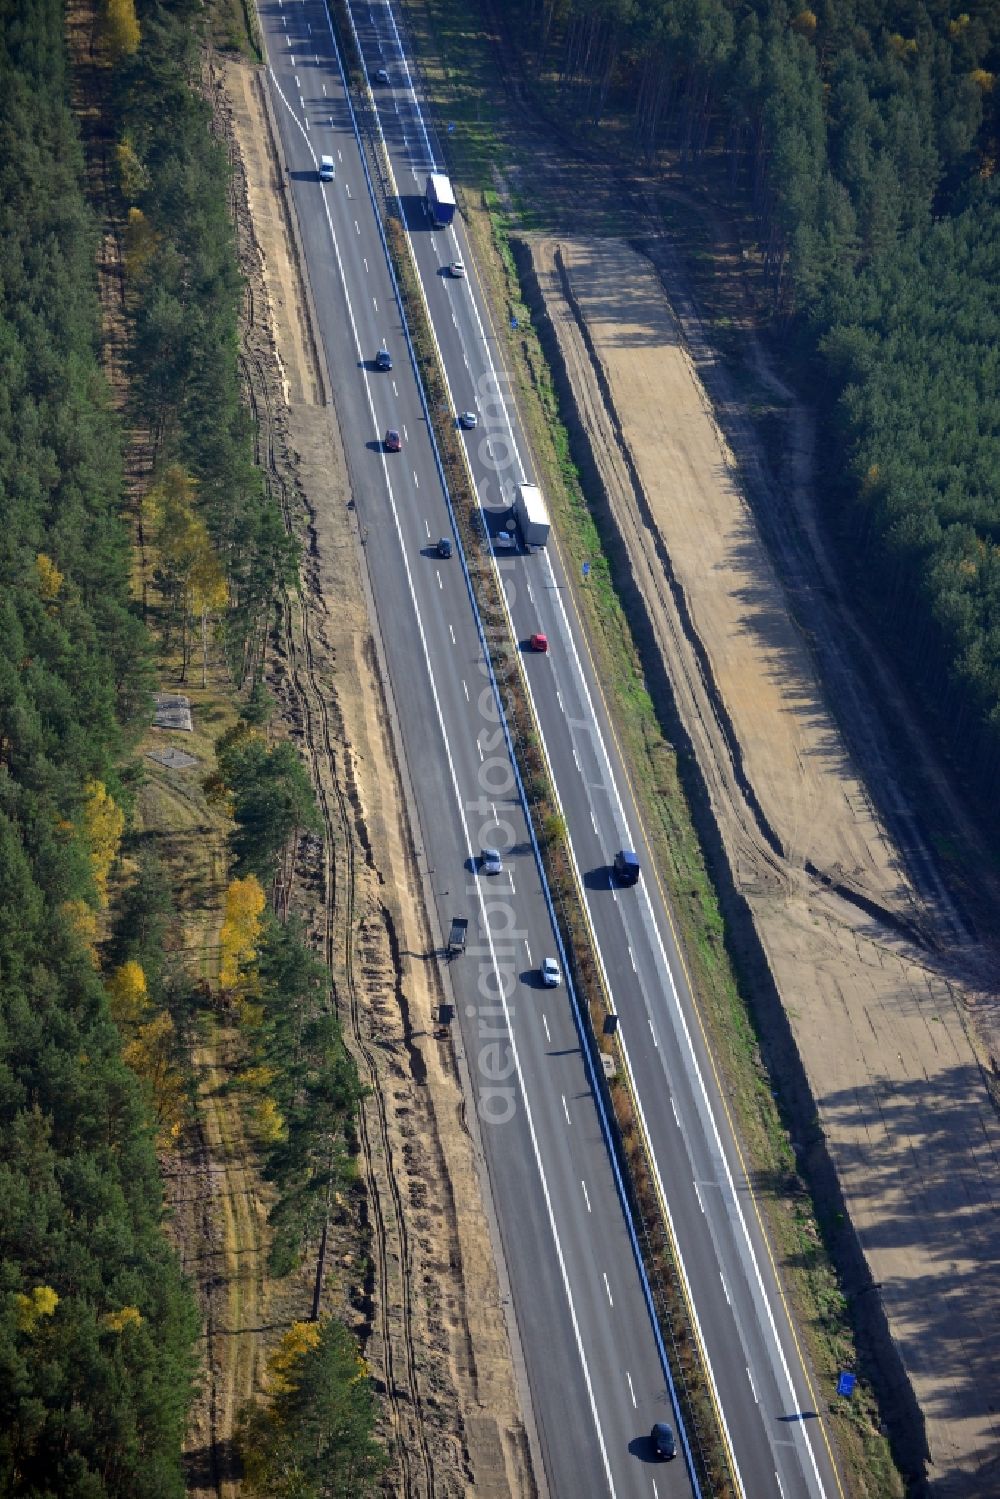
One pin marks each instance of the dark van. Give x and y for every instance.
(626, 867)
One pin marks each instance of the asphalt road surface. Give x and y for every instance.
(593, 1359)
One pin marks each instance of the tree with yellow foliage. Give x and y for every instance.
(151, 1055)
(81, 918)
(126, 1316)
(41, 1302)
(284, 1363)
(241, 929)
(50, 579)
(268, 1124)
(119, 29)
(128, 995)
(133, 178)
(103, 825)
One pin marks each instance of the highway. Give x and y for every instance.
(593, 1361)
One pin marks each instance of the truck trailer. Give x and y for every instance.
(532, 516)
(440, 200)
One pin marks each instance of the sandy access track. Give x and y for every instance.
(881, 1030)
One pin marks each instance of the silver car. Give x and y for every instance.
(491, 862)
(551, 974)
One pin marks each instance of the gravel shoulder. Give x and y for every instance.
(881, 1022)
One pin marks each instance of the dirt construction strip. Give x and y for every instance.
(879, 1027)
(437, 1340)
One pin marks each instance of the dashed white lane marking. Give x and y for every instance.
(406, 434)
(607, 1288)
(364, 259)
(324, 91)
(781, 1487)
(357, 227)
(479, 748)
(440, 584)
(528, 951)
(513, 888)
(416, 481)
(396, 393)
(427, 527)
(653, 1034)
(576, 762)
(451, 631)
(594, 821)
(677, 1117)
(306, 119)
(545, 1023)
(586, 1196)
(340, 154)
(752, 1389)
(698, 1195)
(347, 189)
(465, 689)
(631, 1390)
(725, 1292)
(632, 959)
(560, 701)
(565, 1109)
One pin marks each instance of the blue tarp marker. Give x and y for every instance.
(845, 1384)
(586, 571)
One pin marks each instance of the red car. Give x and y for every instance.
(538, 643)
(393, 441)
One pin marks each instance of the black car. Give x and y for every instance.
(381, 75)
(383, 360)
(627, 867)
(663, 1440)
(444, 547)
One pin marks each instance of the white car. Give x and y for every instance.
(491, 862)
(457, 269)
(468, 419)
(551, 974)
(327, 169)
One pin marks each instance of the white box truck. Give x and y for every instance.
(440, 200)
(532, 516)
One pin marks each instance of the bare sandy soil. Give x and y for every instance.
(433, 1312)
(880, 1022)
